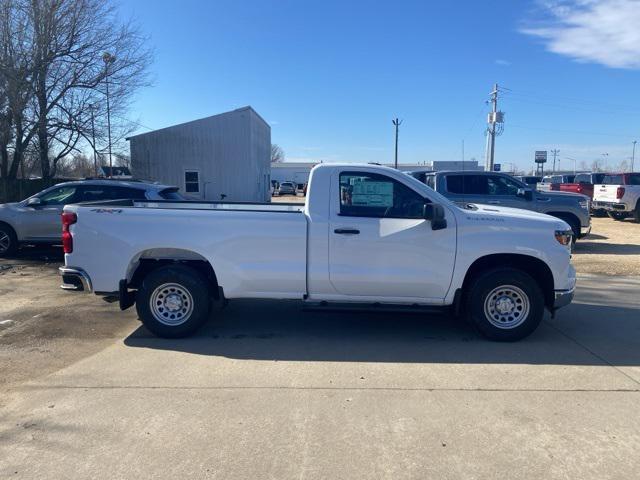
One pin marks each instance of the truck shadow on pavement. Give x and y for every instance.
(581, 334)
(597, 248)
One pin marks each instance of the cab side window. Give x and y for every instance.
(499, 185)
(374, 195)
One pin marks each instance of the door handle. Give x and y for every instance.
(346, 231)
(494, 202)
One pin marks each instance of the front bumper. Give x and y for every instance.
(584, 231)
(75, 279)
(563, 298)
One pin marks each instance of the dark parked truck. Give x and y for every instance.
(503, 190)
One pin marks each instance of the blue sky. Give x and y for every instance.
(329, 76)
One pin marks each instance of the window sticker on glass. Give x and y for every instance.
(378, 194)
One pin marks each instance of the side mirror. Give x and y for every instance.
(525, 193)
(435, 213)
(34, 202)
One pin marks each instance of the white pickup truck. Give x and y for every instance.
(619, 195)
(367, 235)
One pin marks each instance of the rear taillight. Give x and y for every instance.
(619, 193)
(68, 219)
(579, 189)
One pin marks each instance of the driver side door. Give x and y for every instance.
(380, 245)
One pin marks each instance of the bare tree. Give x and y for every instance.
(277, 154)
(61, 44)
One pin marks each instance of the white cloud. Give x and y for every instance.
(598, 31)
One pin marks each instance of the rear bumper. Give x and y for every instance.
(611, 206)
(75, 279)
(563, 298)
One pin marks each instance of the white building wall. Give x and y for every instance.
(231, 152)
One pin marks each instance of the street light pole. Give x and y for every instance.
(397, 123)
(633, 154)
(93, 139)
(108, 59)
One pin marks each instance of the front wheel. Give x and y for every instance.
(505, 304)
(173, 301)
(8, 240)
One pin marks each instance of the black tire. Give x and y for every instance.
(488, 286)
(8, 240)
(619, 216)
(636, 213)
(181, 282)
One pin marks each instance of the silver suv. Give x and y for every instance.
(37, 219)
(501, 189)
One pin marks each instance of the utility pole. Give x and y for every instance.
(633, 154)
(495, 117)
(397, 123)
(462, 154)
(555, 154)
(93, 140)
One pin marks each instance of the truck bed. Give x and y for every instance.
(119, 234)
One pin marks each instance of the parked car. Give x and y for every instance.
(496, 188)
(619, 195)
(287, 188)
(36, 220)
(529, 180)
(548, 181)
(582, 183)
(366, 235)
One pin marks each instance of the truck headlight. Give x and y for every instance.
(564, 237)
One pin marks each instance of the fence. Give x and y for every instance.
(16, 189)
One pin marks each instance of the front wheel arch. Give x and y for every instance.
(533, 266)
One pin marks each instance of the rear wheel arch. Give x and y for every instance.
(533, 266)
(149, 260)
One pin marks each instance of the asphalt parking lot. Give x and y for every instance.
(268, 390)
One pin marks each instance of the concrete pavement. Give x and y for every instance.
(269, 391)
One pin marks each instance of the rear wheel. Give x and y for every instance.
(173, 301)
(8, 241)
(505, 304)
(619, 216)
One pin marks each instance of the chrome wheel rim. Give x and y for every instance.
(5, 241)
(506, 307)
(171, 304)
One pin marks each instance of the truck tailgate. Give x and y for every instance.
(605, 193)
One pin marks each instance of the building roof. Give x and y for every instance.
(247, 108)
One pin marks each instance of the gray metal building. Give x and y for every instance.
(223, 155)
